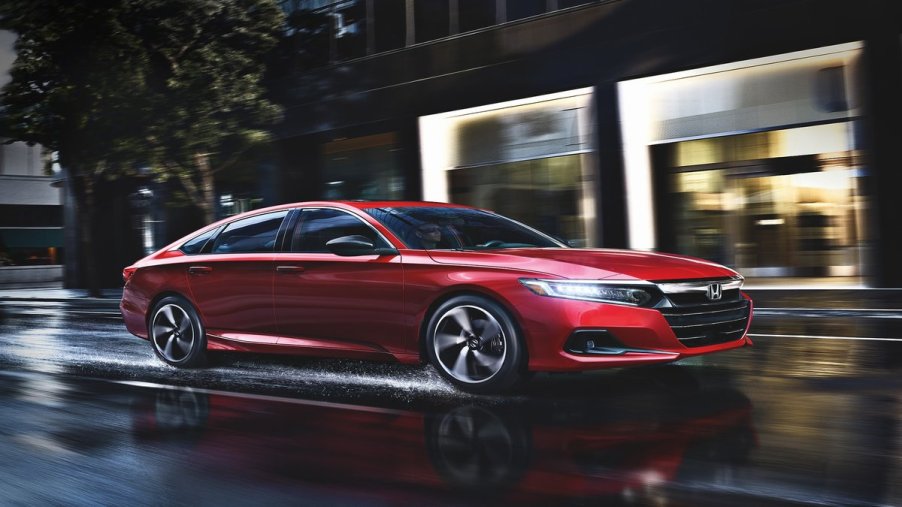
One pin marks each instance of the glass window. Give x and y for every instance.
(431, 19)
(519, 9)
(196, 244)
(367, 167)
(475, 14)
(306, 39)
(563, 4)
(319, 226)
(248, 235)
(349, 28)
(458, 228)
(390, 24)
(763, 203)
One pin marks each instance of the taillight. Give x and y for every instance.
(128, 272)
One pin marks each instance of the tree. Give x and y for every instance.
(207, 59)
(113, 85)
(72, 90)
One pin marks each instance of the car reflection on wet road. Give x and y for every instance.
(91, 417)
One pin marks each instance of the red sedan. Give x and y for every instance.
(483, 298)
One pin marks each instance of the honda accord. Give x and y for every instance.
(485, 299)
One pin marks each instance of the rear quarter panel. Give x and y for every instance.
(150, 281)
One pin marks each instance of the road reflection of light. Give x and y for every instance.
(43, 390)
(44, 443)
(38, 348)
(651, 478)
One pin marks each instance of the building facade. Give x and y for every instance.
(761, 134)
(31, 211)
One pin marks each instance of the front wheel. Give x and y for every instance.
(474, 343)
(176, 333)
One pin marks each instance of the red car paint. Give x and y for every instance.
(375, 306)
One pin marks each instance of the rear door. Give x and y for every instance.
(232, 283)
(327, 301)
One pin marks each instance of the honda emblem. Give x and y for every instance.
(715, 291)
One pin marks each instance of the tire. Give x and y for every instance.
(176, 333)
(475, 344)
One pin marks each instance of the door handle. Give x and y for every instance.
(289, 269)
(199, 270)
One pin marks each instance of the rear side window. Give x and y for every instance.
(196, 244)
(319, 226)
(250, 235)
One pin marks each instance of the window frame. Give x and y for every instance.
(297, 222)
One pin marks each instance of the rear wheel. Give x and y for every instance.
(474, 343)
(177, 334)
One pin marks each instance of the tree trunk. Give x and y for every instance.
(85, 200)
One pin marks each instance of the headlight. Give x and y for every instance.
(602, 292)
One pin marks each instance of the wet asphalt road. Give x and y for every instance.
(809, 416)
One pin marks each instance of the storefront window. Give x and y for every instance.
(760, 203)
(31, 247)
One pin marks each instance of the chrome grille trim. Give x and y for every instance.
(699, 322)
(700, 286)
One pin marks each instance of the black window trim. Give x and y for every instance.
(208, 246)
(286, 240)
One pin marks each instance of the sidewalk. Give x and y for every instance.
(59, 295)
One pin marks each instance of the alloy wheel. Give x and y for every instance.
(173, 334)
(470, 344)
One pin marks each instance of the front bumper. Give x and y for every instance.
(624, 336)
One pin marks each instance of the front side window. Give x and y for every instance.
(317, 227)
(256, 234)
(458, 229)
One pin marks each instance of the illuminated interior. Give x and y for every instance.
(762, 203)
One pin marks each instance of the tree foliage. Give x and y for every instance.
(73, 84)
(117, 85)
(207, 63)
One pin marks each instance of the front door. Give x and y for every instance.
(326, 301)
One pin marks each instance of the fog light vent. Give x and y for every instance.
(593, 341)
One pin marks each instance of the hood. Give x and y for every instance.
(590, 264)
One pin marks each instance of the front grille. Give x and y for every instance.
(700, 298)
(697, 322)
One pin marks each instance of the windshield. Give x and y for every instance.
(458, 229)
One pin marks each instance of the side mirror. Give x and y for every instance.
(350, 246)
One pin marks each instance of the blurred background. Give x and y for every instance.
(759, 134)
